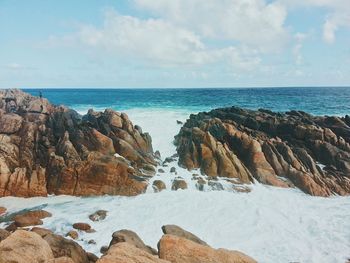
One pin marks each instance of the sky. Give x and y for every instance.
(174, 43)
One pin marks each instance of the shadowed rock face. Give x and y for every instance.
(48, 149)
(294, 149)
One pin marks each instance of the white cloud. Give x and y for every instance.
(299, 38)
(249, 22)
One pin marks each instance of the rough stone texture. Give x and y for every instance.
(24, 247)
(30, 218)
(48, 149)
(179, 232)
(280, 149)
(41, 231)
(158, 185)
(4, 234)
(82, 226)
(181, 250)
(2, 210)
(132, 238)
(98, 215)
(127, 253)
(61, 260)
(178, 184)
(63, 247)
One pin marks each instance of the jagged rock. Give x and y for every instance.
(98, 215)
(178, 184)
(132, 238)
(180, 250)
(127, 253)
(278, 149)
(82, 226)
(179, 232)
(47, 149)
(23, 247)
(158, 185)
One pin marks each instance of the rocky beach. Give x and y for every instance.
(66, 178)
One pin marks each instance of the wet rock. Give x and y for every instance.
(92, 242)
(161, 171)
(180, 250)
(48, 149)
(23, 247)
(169, 160)
(132, 238)
(82, 226)
(127, 253)
(216, 186)
(179, 184)
(72, 234)
(11, 227)
(157, 155)
(173, 170)
(201, 184)
(92, 257)
(179, 232)
(103, 249)
(98, 215)
(277, 149)
(179, 122)
(158, 185)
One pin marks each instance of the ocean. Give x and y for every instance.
(270, 224)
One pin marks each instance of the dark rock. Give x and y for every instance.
(98, 215)
(4, 234)
(179, 184)
(158, 185)
(276, 149)
(173, 170)
(161, 171)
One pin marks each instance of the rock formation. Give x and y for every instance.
(48, 149)
(292, 149)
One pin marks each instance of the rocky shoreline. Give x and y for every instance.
(20, 242)
(292, 149)
(48, 149)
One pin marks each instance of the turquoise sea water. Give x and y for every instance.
(318, 101)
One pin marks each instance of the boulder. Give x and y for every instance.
(82, 226)
(48, 149)
(127, 253)
(178, 184)
(279, 149)
(61, 260)
(158, 185)
(132, 238)
(41, 231)
(30, 218)
(180, 250)
(63, 247)
(72, 234)
(98, 215)
(179, 232)
(2, 210)
(23, 247)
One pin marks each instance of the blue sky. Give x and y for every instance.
(174, 43)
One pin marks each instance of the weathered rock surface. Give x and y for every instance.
(181, 250)
(127, 253)
(98, 215)
(179, 232)
(82, 226)
(132, 238)
(30, 218)
(178, 184)
(48, 149)
(158, 185)
(292, 149)
(4, 234)
(23, 247)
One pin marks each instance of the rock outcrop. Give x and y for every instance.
(292, 149)
(48, 149)
(181, 250)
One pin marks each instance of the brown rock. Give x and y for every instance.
(31, 218)
(277, 149)
(47, 149)
(82, 226)
(179, 184)
(132, 238)
(41, 231)
(73, 234)
(98, 215)
(63, 247)
(4, 234)
(158, 185)
(179, 232)
(23, 247)
(92, 257)
(61, 260)
(2, 210)
(179, 250)
(127, 253)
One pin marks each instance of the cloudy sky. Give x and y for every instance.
(174, 43)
